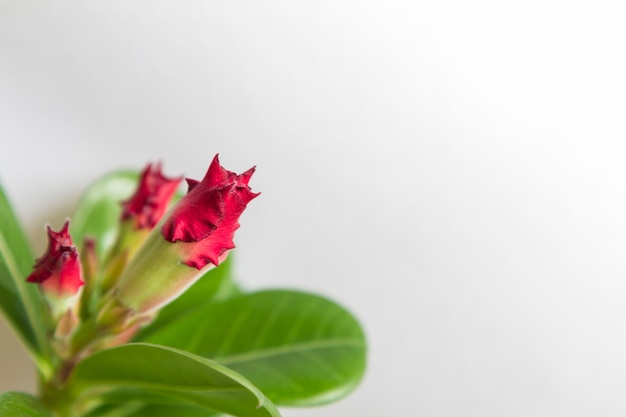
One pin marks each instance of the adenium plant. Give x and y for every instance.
(132, 310)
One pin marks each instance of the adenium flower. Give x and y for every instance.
(146, 207)
(141, 212)
(196, 233)
(209, 215)
(58, 270)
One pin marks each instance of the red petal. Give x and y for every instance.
(58, 270)
(66, 280)
(245, 177)
(191, 184)
(148, 204)
(207, 217)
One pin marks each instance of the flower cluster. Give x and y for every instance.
(157, 255)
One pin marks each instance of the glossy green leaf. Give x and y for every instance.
(17, 404)
(172, 373)
(140, 403)
(135, 409)
(20, 302)
(173, 410)
(98, 211)
(298, 348)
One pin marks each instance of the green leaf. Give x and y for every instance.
(298, 348)
(137, 409)
(168, 410)
(20, 302)
(15, 237)
(17, 404)
(98, 211)
(172, 373)
(137, 403)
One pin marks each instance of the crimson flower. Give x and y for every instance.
(196, 234)
(205, 219)
(58, 269)
(147, 205)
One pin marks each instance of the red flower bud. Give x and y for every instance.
(58, 270)
(150, 201)
(197, 232)
(206, 218)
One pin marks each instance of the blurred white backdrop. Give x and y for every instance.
(453, 172)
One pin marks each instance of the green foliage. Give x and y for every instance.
(133, 408)
(17, 404)
(172, 373)
(298, 348)
(20, 302)
(98, 211)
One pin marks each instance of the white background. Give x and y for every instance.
(453, 172)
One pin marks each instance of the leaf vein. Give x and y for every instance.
(287, 349)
